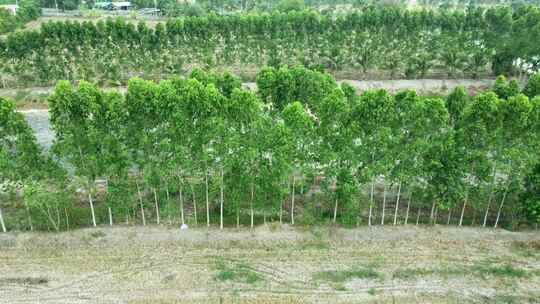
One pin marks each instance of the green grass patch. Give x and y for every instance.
(340, 276)
(237, 272)
(505, 270)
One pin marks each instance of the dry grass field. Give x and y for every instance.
(271, 264)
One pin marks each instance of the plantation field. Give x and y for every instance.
(271, 265)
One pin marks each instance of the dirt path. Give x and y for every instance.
(280, 265)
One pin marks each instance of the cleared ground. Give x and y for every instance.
(271, 265)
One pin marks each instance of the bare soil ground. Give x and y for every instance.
(271, 264)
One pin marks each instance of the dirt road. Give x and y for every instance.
(271, 265)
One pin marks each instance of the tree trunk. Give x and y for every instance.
(157, 206)
(2, 222)
(207, 200)
(418, 216)
(281, 213)
(110, 217)
(449, 216)
(182, 206)
(92, 208)
(490, 195)
(292, 199)
(251, 205)
(436, 215)
(67, 218)
(383, 202)
(237, 218)
(28, 215)
(397, 203)
(221, 201)
(141, 203)
(463, 209)
(408, 208)
(500, 208)
(371, 200)
(335, 210)
(194, 205)
(431, 216)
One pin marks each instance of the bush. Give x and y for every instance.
(532, 88)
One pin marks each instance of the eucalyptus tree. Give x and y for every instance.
(480, 132)
(300, 127)
(373, 116)
(75, 117)
(515, 153)
(335, 147)
(21, 158)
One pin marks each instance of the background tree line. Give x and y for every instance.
(28, 10)
(303, 149)
(392, 41)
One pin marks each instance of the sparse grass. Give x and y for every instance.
(237, 272)
(341, 276)
(97, 234)
(313, 245)
(505, 270)
(527, 248)
(24, 281)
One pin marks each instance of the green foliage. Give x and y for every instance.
(346, 275)
(237, 272)
(532, 88)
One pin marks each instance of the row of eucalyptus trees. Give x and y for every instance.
(390, 40)
(301, 149)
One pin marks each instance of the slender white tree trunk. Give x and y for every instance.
(432, 215)
(110, 217)
(67, 218)
(371, 200)
(490, 194)
(397, 203)
(194, 205)
(436, 215)
(292, 199)
(449, 216)
(500, 208)
(92, 208)
(463, 209)
(418, 216)
(207, 200)
(157, 206)
(29, 216)
(383, 203)
(281, 213)
(141, 203)
(251, 204)
(182, 206)
(335, 211)
(221, 201)
(408, 209)
(2, 222)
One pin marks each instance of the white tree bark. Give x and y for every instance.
(408, 209)
(194, 205)
(335, 211)
(463, 209)
(490, 195)
(110, 217)
(28, 215)
(251, 204)
(157, 206)
(92, 208)
(418, 216)
(431, 216)
(182, 206)
(383, 203)
(207, 200)
(449, 216)
(500, 208)
(292, 199)
(141, 203)
(221, 201)
(2, 222)
(371, 200)
(397, 203)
